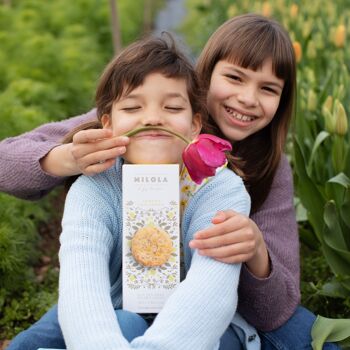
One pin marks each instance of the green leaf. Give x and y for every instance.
(308, 193)
(330, 330)
(319, 139)
(341, 179)
(334, 289)
(336, 188)
(334, 244)
(308, 237)
(334, 235)
(345, 209)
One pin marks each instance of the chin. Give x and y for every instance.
(151, 160)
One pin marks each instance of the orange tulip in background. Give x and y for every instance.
(297, 51)
(340, 36)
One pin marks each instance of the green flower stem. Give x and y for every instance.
(136, 131)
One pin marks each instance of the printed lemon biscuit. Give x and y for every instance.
(151, 246)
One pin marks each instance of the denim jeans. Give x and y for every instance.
(295, 334)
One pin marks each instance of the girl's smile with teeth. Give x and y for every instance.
(239, 116)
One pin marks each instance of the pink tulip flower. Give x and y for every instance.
(204, 155)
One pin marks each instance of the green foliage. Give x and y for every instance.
(19, 310)
(332, 330)
(18, 237)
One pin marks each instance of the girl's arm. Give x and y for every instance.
(85, 310)
(33, 163)
(21, 173)
(268, 245)
(199, 311)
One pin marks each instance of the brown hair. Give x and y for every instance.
(129, 69)
(248, 41)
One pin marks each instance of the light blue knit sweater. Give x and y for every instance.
(90, 288)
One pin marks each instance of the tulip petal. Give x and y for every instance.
(196, 168)
(210, 154)
(204, 155)
(223, 145)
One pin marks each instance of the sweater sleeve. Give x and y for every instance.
(199, 311)
(85, 310)
(267, 303)
(20, 172)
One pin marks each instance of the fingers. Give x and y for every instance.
(81, 149)
(91, 135)
(97, 160)
(223, 215)
(234, 259)
(231, 224)
(95, 150)
(234, 251)
(99, 167)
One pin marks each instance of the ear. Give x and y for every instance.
(106, 121)
(196, 125)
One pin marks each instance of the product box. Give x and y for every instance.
(151, 236)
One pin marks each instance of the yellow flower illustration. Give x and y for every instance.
(132, 215)
(170, 215)
(185, 188)
(132, 278)
(171, 278)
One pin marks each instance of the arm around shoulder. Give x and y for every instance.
(21, 174)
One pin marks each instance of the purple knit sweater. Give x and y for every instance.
(265, 303)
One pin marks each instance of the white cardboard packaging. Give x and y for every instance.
(150, 197)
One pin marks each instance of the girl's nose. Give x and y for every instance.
(248, 97)
(152, 118)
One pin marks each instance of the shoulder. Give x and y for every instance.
(225, 180)
(281, 193)
(223, 191)
(104, 186)
(283, 173)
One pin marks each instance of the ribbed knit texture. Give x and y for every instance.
(196, 314)
(266, 303)
(20, 171)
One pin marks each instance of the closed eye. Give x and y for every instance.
(130, 109)
(174, 108)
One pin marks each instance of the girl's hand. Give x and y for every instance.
(95, 150)
(92, 151)
(234, 238)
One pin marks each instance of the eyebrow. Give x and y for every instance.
(271, 83)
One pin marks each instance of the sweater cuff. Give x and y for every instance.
(43, 182)
(258, 281)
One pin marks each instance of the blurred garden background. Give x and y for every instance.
(51, 55)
